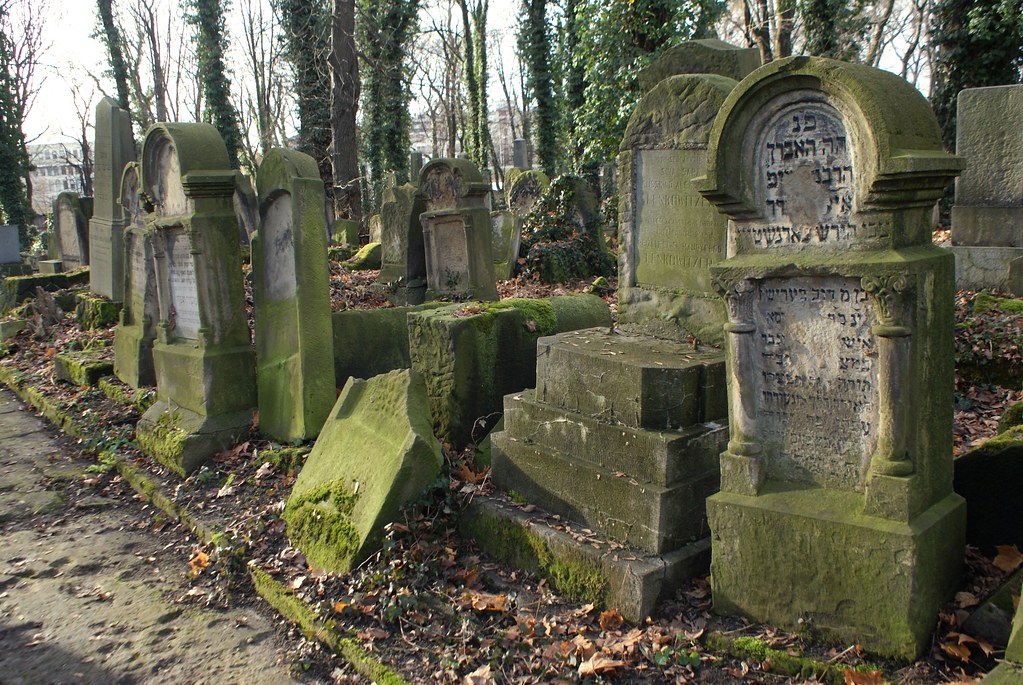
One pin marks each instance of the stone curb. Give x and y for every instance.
(277, 595)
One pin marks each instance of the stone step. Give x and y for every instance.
(643, 515)
(664, 458)
(632, 379)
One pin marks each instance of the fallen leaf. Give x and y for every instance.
(481, 676)
(959, 651)
(296, 583)
(966, 599)
(199, 562)
(340, 606)
(484, 601)
(265, 470)
(598, 664)
(1008, 559)
(611, 619)
(371, 634)
(863, 677)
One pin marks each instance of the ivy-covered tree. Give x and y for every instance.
(977, 44)
(833, 28)
(385, 32)
(474, 50)
(344, 105)
(15, 199)
(574, 90)
(207, 17)
(616, 39)
(535, 49)
(111, 37)
(307, 26)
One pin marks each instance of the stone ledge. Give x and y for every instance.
(627, 580)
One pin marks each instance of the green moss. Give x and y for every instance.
(92, 313)
(985, 302)
(540, 312)
(755, 649)
(1011, 437)
(320, 524)
(516, 545)
(287, 459)
(1012, 417)
(366, 258)
(164, 441)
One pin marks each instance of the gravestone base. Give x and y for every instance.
(400, 294)
(50, 266)
(133, 357)
(634, 583)
(182, 440)
(989, 268)
(820, 563)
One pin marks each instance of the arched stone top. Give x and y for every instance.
(445, 182)
(130, 189)
(894, 139)
(280, 167)
(182, 160)
(703, 56)
(678, 112)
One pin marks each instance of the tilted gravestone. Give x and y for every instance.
(291, 292)
(456, 231)
(205, 367)
(114, 147)
(836, 506)
(987, 219)
(246, 207)
(136, 331)
(72, 229)
(403, 256)
(622, 432)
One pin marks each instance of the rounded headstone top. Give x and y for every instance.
(678, 112)
(130, 189)
(278, 169)
(705, 56)
(893, 137)
(444, 182)
(172, 151)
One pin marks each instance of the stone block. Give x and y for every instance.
(473, 355)
(15, 290)
(93, 313)
(506, 235)
(71, 216)
(635, 380)
(801, 558)
(987, 226)
(989, 268)
(50, 266)
(83, 368)
(10, 250)
(632, 582)
(346, 232)
(11, 327)
(989, 136)
(376, 453)
(183, 440)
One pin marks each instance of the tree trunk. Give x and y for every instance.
(112, 38)
(344, 69)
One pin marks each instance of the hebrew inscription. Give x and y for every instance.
(184, 296)
(450, 253)
(818, 390)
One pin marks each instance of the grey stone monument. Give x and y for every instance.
(520, 153)
(114, 148)
(72, 230)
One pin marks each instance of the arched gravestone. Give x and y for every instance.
(205, 367)
(456, 231)
(71, 230)
(291, 290)
(836, 505)
(115, 148)
(134, 335)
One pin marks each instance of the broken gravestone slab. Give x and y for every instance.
(71, 216)
(836, 505)
(291, 293)
(376, 453)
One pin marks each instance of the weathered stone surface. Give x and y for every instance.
(520, 150)
(51, 266)
(83, 368)
(505, 239)
(705, 56)
(633, 585)
(403, 259)
(72, 229)
(11, 327)
(989, 137)
(471, 355)
(9, 247)
(366, 259)
(93, 313)
(524, 191)
(291, 293)
(246, 208)
(114, 148)
(205, 367)
(15, 290)
(376, 228)
(376, 453)
(835, 487)
(346, 232)
(989, 268)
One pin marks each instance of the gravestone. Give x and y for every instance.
(72, 230)
(836, 507)
(456, 231)
(506, 236)
(291, 292)
(9, 245)
(205, 367)
(375, 228)
(415, 164)
(246, 207)
(520, 153)
(987, 219)
(622, 432)
(114, 147)
(136, 331)
(704, 56)
(403, 258)
(525, 191)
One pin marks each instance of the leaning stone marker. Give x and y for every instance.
(376, 453)
(291, 290)
(72, 230)
(988, 214)
(114, 149)
(403, 258)
(836, 506)
(456, 231)
(205, 368)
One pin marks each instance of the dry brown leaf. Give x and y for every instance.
(597, 664)
(863, 677)
(481, 676)
(371, 634)
(198, 562)
(959, 651)
(583, 647)
(484, 601)
(340, 606)
(611, 619)
(1008, 559)
(966, 599)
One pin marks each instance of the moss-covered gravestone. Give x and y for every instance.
(71, 219)
(524, 191)
(375, 454)
(136, 331)
(403, 258)
(836, 508)
(456, 231)
(114, 147)
(704, 56)
(291, 291)
(205, 367)
(622, 432)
